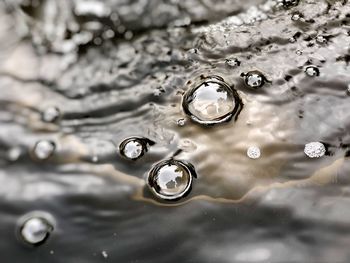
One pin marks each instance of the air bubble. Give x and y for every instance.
(299, 52)
(212, 102)
(35, 228)
(171, 179)
(51, 114)
(321, 40)
(348, 90)
(296, 16)
(44, 149)
(253, 152)
(254, 79)
(134, 148)
(181, 122)
(315, 149)
(312, 71)
(234, 62)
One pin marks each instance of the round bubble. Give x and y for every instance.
(211, 102)
(171, 179)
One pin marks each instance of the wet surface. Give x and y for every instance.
(118, 69)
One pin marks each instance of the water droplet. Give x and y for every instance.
(134, 148)
(212, 102)
(44, 149)
(312, 71)
(315, 149)
(254, 79)
(171, 179)
(35, 228)
(50, 114)
(234, 62)
(253, 152)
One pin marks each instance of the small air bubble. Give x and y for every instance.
(234, 62)
(296, 16)
(312, 71)
(254, 79)
(299, 52)
(44, 149)
(253, 152)
(128, 35)
(170, 179)
(321, 40)
(315, 149)
(292, 40)
(181, 122)
(94, 159)
(14, 153)
(133, 148)
(35, 228)
(104, 254)
(348, 90)
(51, 114)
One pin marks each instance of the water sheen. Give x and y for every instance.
(121, 69)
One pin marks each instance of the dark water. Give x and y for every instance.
(116, 69)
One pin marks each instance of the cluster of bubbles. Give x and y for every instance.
(253, 152)
(315, 149)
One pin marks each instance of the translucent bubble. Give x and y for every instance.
(254, 79)
(171, 179)
(212, 102)
(299, 52)
(253, 152)
(50, 114)
(312, 71)
(134, 148)
(315, 149)
(44, 149)
(35, 228)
